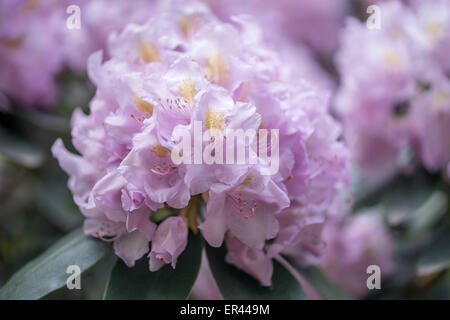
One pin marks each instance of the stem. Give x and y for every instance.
(312, 294)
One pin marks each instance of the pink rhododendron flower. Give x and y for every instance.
(185, 71)
(395, 101)
(252, 260)
(352, 245)
(168, 243)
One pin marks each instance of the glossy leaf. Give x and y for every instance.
(236, 284)
(321, 284)
(429, 213)
(19, 150)
(165, 284)
(436, 258)
(47, 272)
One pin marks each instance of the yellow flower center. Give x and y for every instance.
(144, 106)
(434, 29)
(216, 69)
(214, 120)
(189, 25)
(30, 5)
(441, 98)
(13, 43)
(148, 52)
(160, 151)
(187, 90)
(392, 59)
(247, 180)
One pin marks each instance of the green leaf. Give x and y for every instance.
(321, 284)
(55, 202)
(235, 284)
(165, 284)
(390, 197)
(47, 272)
(436, 258)
(439, 289)
(46, 121)
(429, 213)
(20, 151)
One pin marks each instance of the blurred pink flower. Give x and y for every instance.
(353, 244)
(36, 45)
(30, 50)
(395, 99)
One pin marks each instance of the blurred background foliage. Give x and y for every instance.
(36, 207)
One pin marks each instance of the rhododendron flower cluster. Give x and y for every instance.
(185, 66)
(395, 101)
(36, 45)
(314, 23)
(30, 54)
(353, 244)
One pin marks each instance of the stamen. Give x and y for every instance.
(159, 171)
(138, 120)
(176, 109)
(240, 205)
(252, 210)
(117, 155)
(187, 90)
(234, 203)
(214, 120)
